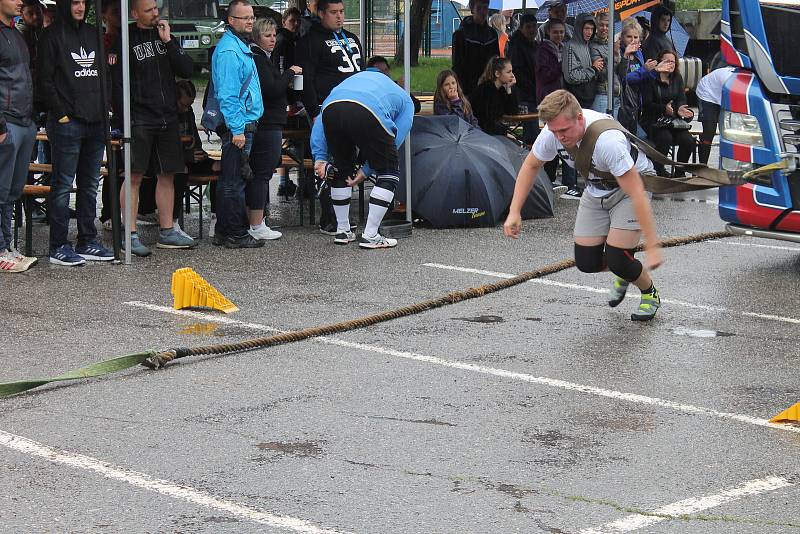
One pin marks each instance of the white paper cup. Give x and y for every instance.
(297, 82)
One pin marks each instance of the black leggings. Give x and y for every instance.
(666, 138)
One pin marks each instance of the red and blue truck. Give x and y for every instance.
(760, 118)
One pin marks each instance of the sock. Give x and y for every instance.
(341, 207)
(379, 201)
(649, 290)
(262, 224)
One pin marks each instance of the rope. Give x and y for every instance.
(157, 360)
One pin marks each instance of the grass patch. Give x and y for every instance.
(423, 77)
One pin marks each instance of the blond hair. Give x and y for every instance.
(559, 102)
(498, 22)
(631, 25)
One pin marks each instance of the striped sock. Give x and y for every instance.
(340, 196)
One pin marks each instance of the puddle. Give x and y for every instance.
(691, 332)
(481, 319)
(423, 421)
(303, 448)
(199, 329)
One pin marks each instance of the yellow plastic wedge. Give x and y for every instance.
(190, 290)
(789, 415)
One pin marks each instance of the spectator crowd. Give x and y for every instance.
(261, 71)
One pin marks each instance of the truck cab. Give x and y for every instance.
(760, 118)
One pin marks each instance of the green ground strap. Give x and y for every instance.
(96, 369)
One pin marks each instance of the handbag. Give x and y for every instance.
(212, 118)
(673, 123)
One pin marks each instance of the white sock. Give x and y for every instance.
(379, 201)
(341, 207)
(258, 226)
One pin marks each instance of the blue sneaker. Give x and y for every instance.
(94, 251)
(64, 255)
(137, 248)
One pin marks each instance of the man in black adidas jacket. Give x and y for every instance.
(328, 54)
(156, 59)
(474, 44)
(69, 87)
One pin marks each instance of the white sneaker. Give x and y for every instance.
(26, 261)
(10, 264)
(376, 242)
(264, 233)
(559, 190)
(178, 229)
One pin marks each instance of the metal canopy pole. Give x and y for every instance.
(407, 80)
(111, 161)
(362, 27)
(126, 128)
(610, 66)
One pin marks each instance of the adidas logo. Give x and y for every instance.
(83, 59)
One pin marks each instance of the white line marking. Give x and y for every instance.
(164, 487)
(756, 245)
(548, 282)
(541, 380)
(691, 505)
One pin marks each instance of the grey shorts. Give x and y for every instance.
(596, 216)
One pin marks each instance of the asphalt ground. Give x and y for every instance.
(534, 409)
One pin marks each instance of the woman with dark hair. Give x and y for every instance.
(449, 99)
(663, 103)
(495, 96)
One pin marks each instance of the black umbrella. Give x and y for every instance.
(461, 176)
(540, 200)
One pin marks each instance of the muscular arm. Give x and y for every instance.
(525, 181)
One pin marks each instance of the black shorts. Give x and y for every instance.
(355, 135)
(162, 144)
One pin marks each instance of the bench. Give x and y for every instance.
(25, 204)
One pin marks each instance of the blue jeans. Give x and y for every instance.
(231, 213)
(77, 151)
(264, 157)
(600, 104)
(15, 155)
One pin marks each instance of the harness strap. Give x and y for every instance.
(701, 176)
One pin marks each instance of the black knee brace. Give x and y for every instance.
(622, 263)
(338, 180)
(387, 181)
(590, 259)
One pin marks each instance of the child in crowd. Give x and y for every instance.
(494, 96)
(449, 99)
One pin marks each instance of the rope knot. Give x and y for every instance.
(159, 360)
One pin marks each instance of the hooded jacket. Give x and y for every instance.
(522, 53)
(473, 46)
(657, 40)
(548, 69)
(16, 86)
(274, 86)
(68, 71)
(231, 65)
(576, 63)
(154, 66)
(327, 59)
(599, 49)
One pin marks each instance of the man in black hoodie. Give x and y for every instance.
(658, 40)
(328, 54)
(522, 52)
(68, 83)
(156, 58)
(474, 44)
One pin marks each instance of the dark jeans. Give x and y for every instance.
(77, 150)
(709, 118)
(665, 138)
(264, 157)
(231, 213)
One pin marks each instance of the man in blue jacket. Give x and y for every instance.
(239, 94)
(371, 115)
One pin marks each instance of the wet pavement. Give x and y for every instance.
(533, 409)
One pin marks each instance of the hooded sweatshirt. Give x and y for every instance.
(522, 53)
(576, 63)
(473, 46)
(327, 59)
(16, 86)
(67, 71)
(599, 49)
(154, 65)
(657, 40)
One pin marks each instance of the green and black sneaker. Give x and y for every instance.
(648, 306)
(617, 292)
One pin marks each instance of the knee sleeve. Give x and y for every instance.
(387, 181)
(590, 259)
(338, 181)
(622, 263)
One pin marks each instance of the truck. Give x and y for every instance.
(760, 118)
(197, 24)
